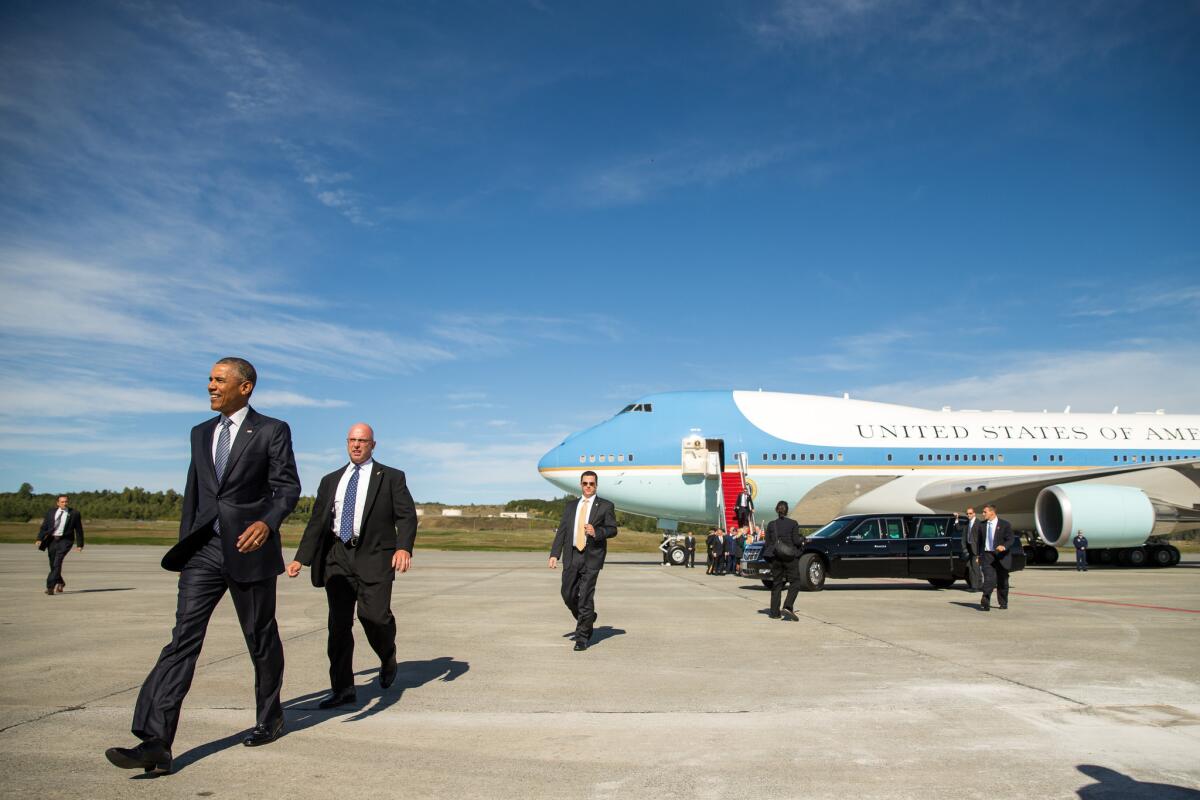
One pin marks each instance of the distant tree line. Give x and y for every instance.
(129, 503)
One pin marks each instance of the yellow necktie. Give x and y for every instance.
(580, 534)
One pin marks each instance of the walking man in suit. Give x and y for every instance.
(995, 543)
(689, 550)
(785, 568)
(360, 535)
(241, 485)
(582, 541)
(61, 528)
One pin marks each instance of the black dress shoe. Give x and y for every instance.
(790, 615)
(151, 756)
(1003, 606)
(387, 673)
(773, 614)
(264, 734)
(580, 644)
(343, 698)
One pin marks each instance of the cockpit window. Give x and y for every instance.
(647, 407)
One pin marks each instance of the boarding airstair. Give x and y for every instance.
(732, 484)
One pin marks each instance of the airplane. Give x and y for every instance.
(684, 456)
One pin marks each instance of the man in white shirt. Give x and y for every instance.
(360, 534)
(61, 528)
(582, 542)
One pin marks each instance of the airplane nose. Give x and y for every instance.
(550, 459)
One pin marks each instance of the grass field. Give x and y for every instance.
(449, 533)
(437, 533)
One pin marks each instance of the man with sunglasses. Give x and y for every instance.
(582, 542)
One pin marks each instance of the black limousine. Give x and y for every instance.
(878, 546)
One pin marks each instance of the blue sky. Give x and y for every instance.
(481, 226)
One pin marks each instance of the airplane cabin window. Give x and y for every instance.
(774, 456)
(620, 456)
(649, 407)
(889, 455)
(821, 457)
(764, 456)
(626, 409)
(1035, 458)
(920, 456)
(592, 458)
(793, 456)
(1000, 458)
(631, 456)
(839, 456)
(583, 459)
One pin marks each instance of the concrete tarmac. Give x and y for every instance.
(1087, 686)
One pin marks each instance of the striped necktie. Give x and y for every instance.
(222, 460)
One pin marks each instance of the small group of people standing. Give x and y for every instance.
(725, 552)
(242, 484)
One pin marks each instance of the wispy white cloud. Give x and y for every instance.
(1136, 377)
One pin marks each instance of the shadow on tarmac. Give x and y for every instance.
(91, 591)
(971, 606)
(605, 632)
(1113, 784)
(299, 716)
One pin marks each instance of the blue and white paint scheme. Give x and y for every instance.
(1127, 476)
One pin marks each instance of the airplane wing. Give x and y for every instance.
(1020, 491)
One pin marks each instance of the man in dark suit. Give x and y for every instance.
(689, 550)
(994, 543)
(784, 569)
(588, 522)
(360, 535)
(61, 528)
(241, 485)
(967, 528)
(718, 553)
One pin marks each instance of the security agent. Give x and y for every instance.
(582, 540)
(359, 537)
(995, 542)
(1080, 541)
(61, 528)
(783, 534)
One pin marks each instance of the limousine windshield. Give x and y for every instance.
(832, 529)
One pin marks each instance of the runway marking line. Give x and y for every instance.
(1108, 602)
(1073, 599)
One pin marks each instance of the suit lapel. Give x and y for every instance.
(591, 520)
(373, 485)
(244, 434)
(206, 451)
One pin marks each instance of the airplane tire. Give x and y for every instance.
(1049, 555)
(941, 583)
(1176, 556)
(1161, 557)
(1123, 556)
(812, 573)
(677, 556)
(1137, 557)
(1105, 556)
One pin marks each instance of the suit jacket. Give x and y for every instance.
(72, 533)
(970, 531)
(784, 528)
(389, 523)
(1004, 536)
(716, 545)
(602, 517)
(260, 484)
(689, 543)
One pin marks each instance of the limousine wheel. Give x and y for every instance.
(812, 573)
(941, 583)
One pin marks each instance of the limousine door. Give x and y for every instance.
(930, 554)
(874, 549)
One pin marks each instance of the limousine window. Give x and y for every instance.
(931, 529)
(869, 529)
(832, 529)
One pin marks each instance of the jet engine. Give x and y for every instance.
(1109, 516)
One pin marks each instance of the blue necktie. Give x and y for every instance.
(346, 528)
(991, 536)
(222, 460)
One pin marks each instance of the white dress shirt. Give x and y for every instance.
(360, 495)
(60, 522)
(237, 418)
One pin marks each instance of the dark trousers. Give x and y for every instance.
(202, 584)
(579, 594)
(346, 591)
(56, 551)
(711, 561)
(784, 572)
(974, 574)
(689, 558)
(1081, 560)
(995, 577)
